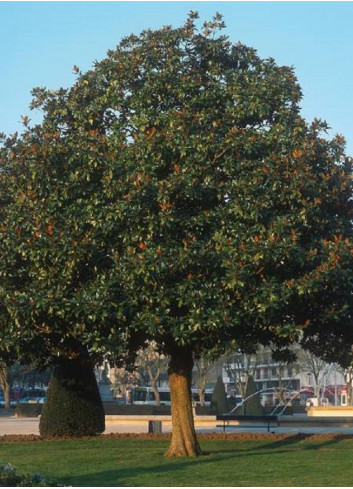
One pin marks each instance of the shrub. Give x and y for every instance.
(219, 397)
(10, 478)
(74, 406)
(252, 406)
(27, 410)
(205, 410)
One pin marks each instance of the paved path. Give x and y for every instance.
(28, 426)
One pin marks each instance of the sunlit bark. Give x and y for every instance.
(184, 442)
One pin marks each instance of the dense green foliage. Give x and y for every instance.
(267, 462)
(28, 410)
(237, 214)
(219, 397)
(74, 406)
(58, 233)
(175, 192)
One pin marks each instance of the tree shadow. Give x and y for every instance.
(302, 437)
(122, 476)
(128, 476)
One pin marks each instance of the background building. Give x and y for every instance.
(306, 377)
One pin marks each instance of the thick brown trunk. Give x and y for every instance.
(184, 442)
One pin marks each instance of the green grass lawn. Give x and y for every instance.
(140, 462)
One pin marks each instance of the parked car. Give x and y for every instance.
(2, 402)
(32, 400)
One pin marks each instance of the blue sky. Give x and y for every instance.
(41, 41)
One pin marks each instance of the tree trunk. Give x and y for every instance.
(317, 391)
(153, 380)
(242, 389)
(202, 372)
(350, 394)
(5, 384)
(184, 442)
(156, 393)
(280, 386)
(202, 392)
(7, 402)
(348, 376)
(202, 389)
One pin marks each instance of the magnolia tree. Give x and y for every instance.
(59, 284)
(175, 194)
(238, 214)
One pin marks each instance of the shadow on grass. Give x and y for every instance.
(163, 473)
(298, 439)
(130, 476)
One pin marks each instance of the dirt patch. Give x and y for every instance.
(6, 438)
(205, 436)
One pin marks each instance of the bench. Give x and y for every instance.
(268, 420)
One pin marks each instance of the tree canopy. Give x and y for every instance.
(175, 193)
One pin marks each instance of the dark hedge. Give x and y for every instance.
(74, 406)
